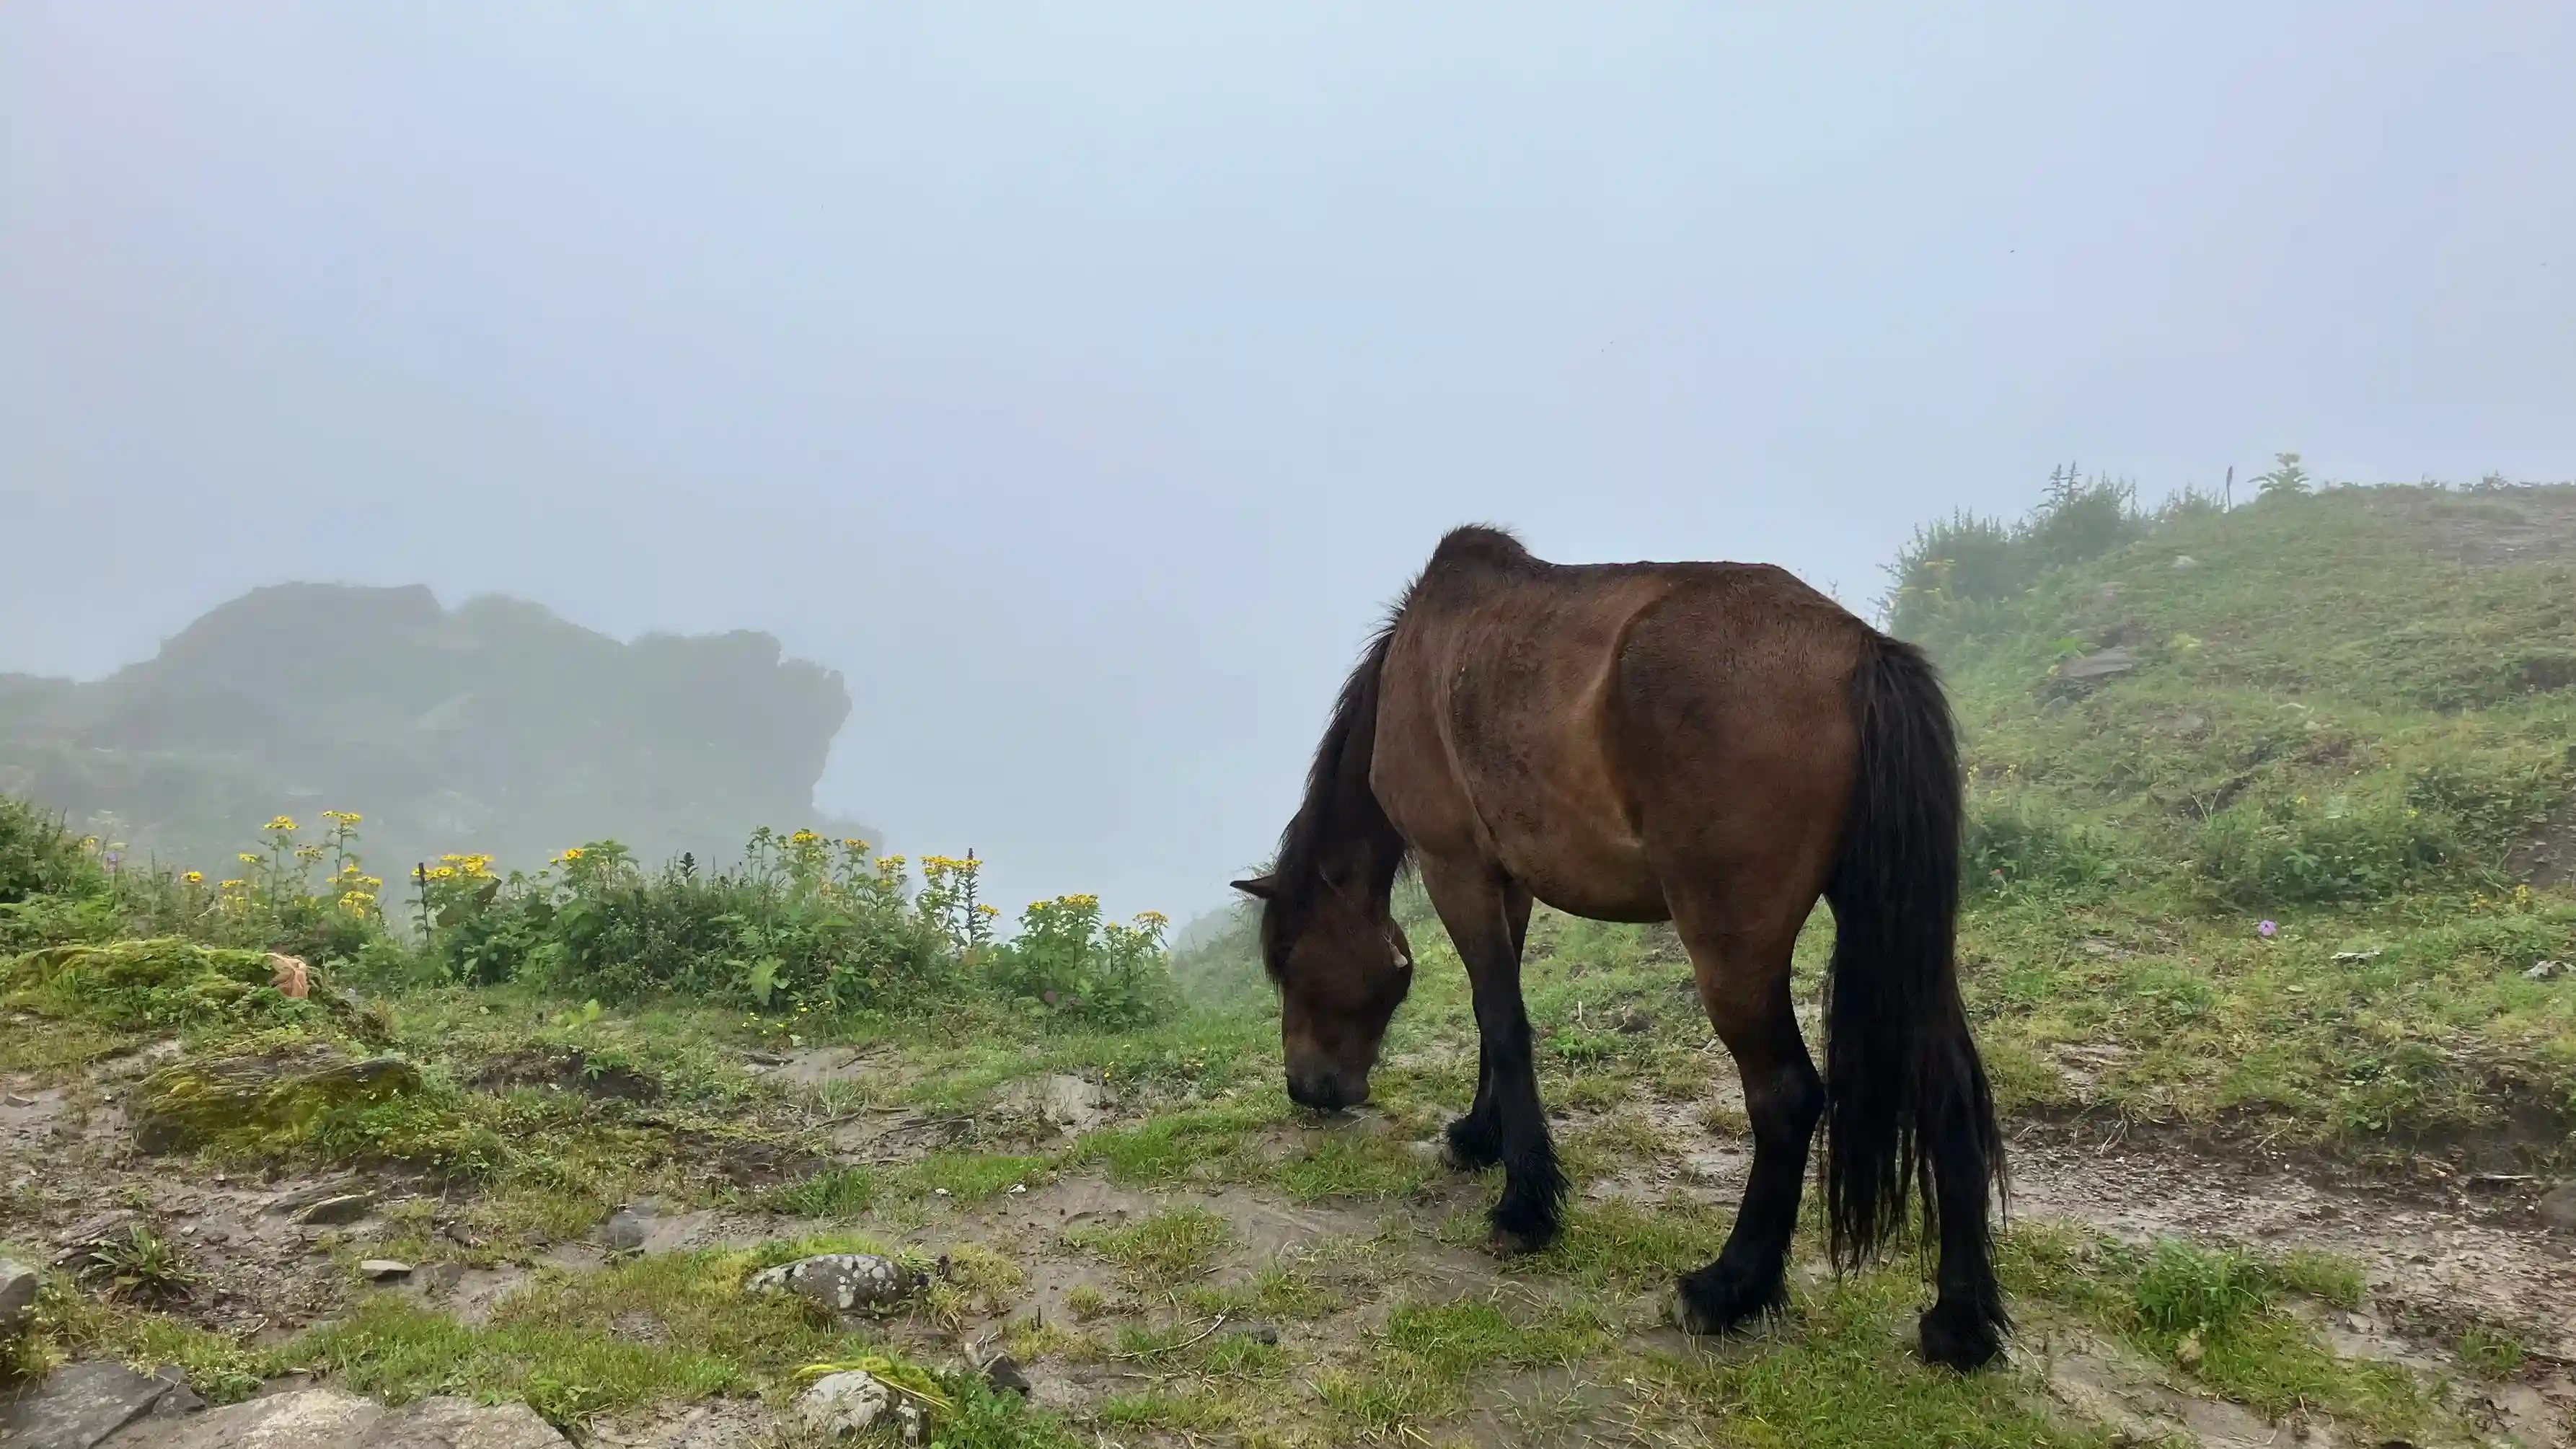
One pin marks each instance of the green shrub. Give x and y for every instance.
(804, 922)
(1954, 572)
(2019, 842)
(2260, 853)
(1067, 962)
(40, 856)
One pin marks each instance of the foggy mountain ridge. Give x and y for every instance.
(496, 726)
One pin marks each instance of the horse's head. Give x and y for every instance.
(1342, 966)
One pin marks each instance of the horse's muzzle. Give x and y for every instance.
(1327, 1091)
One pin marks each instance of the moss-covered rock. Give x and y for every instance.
(196, 1103)
(171, 984)
(316, 1103)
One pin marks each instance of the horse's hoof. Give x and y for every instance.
(1466, 1148)
(1716, 1299)
(1963, 1339)
(1509, 1244)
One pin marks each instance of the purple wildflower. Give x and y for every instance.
(2267, 930)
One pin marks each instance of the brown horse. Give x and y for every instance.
(1711, 744)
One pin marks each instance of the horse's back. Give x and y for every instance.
(1573, 724)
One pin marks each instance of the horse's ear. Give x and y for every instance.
(1260, 887)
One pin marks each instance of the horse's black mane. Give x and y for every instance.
(1337, 804)
(1321, 819)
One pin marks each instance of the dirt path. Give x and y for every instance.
(2437, 1261)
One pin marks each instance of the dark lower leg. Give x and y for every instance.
(1533, 1188)
(1475, 1140)
(1783, 1097)
(1966, 1324)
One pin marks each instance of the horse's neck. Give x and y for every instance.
(1364, 846)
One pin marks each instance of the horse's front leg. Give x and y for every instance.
(1488, 918)
(1475, 1140)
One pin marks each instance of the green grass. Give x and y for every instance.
(1162, 1249)
(2330, 728)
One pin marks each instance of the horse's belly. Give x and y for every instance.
(1585, 873)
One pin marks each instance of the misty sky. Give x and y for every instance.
(1080, 380)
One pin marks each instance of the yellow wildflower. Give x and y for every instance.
(283, 823)
(194, 877)
(247, 858)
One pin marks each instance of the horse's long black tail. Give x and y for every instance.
(1907, 1103)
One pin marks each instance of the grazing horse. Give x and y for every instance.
(1710, 744)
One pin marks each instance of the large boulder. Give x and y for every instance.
(842, 1282)
(334, 1419)
(80, 1405)
(18, 1285)
(844, 1404)
(188, 1105)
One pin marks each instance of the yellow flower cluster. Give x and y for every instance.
(571, 854)
(804, 837)
(455, 865)
(194, 877)
(340, 817)
(283, 825)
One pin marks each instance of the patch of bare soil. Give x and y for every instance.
(2548, 856)
(74, 1177)
(2435, 1265)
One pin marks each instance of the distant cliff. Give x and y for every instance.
(493, 727)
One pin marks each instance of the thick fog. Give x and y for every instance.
(1079, 381)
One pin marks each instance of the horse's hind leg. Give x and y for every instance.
(1475, 1140)
(1744, 982)
(1477, 905)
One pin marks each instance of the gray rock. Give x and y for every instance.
(450, 1423)
(627, 1231)
(181, 1400)
(336, 1210)
(842, 1282)
(1258, 1332)
(841, 1404)
(77, 1406)
(18, 1285)
(2558, 1208)
(2185, 561)
(384, 1270)
(334, 1419)
(2100, 664)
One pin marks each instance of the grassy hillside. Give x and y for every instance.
(2346, 713)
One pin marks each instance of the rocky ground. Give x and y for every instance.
(1142, 1299)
